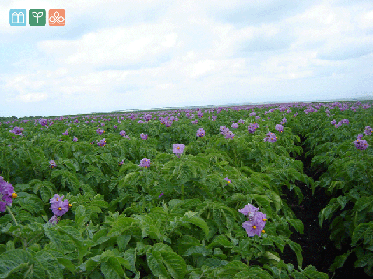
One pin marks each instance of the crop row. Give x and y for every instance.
(136, 205)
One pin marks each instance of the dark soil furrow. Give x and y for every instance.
(317, 248)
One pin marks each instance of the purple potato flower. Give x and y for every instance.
(52, 163)
(333, 122)
(252, 127)
(271, 137)
(223, 130)
(56, 198)
(247, 209)
(279, 128)
(75, 139)
(122, 133)
(229, 135)
(256, 220)
(53, 220)
(234, 125)
(7, 194)
(200, 132)
(148, 117)
(17, 131)
(256, 226)
(100, 131)
(101, 142)
(228, 180)
(58, 205)
(178, 149)
(60, 208)
(368, 130)
(145, 163)
(361, 144)
(144, 136)
(43, 122)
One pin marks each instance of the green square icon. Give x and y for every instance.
(37, 17)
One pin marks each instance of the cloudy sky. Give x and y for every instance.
(120, 54)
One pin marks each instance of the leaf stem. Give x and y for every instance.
(24, 243)
(11, 214)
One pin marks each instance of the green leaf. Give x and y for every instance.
(363, 203)
(342, 200)
(101, 236)
(12, 270)
(360, 231)
(272, 256)
(108, 270)
(80, 216)
(124, 262)
(298, 252)
(192, 217)
(154, 260)
(112, 266)
(339, 261)
(75, 236)
(149, 227)
(13, 261)
(231, 269)
(91, 263)
(220, 240)
(366, 259)
(130, 257)
(47, 263)
(67, 264)
(311, 273)
(162, 255)
(123, 224)
(122, 241)
(328, 210)
(197, 251)
(297, 225)
(252, 272)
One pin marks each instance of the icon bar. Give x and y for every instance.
(37, 17)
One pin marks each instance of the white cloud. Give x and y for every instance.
(31, 97)
(366, 20)
(186, 52)
(165, 86)
(114, 46)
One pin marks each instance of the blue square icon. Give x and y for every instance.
(17, 17)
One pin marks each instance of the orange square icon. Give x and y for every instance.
(56, 17)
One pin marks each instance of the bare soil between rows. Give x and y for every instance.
(317, 248)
